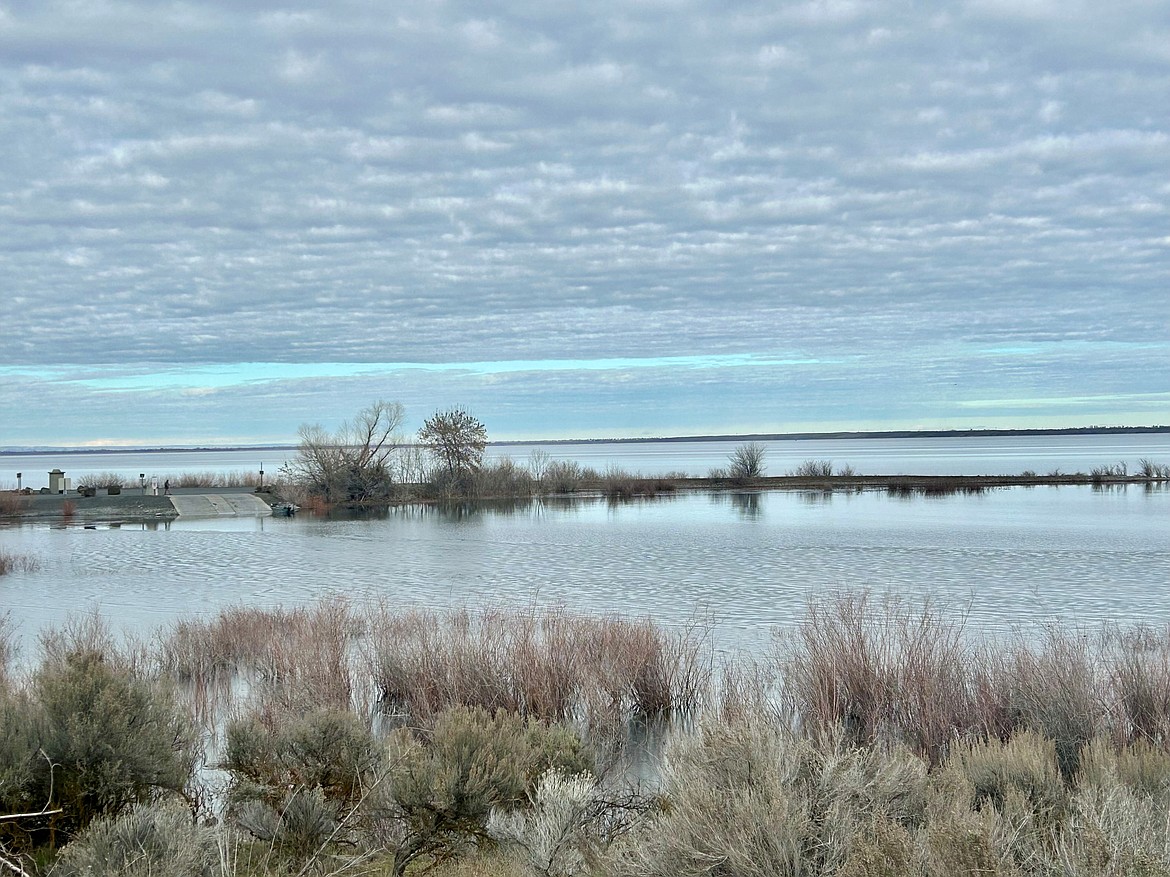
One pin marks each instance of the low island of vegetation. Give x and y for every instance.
(368, 462)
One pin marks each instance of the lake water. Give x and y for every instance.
(744, 562)
(975, 455)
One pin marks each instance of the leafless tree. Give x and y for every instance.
(354, 463)
(746, 461)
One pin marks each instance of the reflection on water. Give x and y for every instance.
(748, 560)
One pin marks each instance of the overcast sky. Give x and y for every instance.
(221, 220)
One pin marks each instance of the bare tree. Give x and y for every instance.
(354, 463)
(746, 461)
(456, 440)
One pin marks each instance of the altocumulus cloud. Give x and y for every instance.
(219, 220)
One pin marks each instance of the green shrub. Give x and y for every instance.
(326, 749)
(145, 841)
(89, 738)
(116, 739)
(750, 799)
(301, 828)
(444, 783)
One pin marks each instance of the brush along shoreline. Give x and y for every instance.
(133, 507)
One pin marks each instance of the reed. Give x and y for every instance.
(12, 503)
(228, 478)
(291, 659)
(11, 561)
(618, 484)
(552, 666)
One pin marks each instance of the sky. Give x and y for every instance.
(222, 220)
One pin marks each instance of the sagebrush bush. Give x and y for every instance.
(148, 840)
(444, 783)
(325, 749)
(560, 831)
(299, 828)
(752, 799)
(91, 738)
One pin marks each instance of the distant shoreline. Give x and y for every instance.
(749, 437)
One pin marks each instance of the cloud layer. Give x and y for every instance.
(911, 217)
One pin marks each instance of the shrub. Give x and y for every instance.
(114, 739)
(1139, 684)
(23, 562)
(299, 828)
(1153, 471)
(559, 832)
(12, 503)
(1098, 474)
(8, 647)
(326, 749)
(444, 783)
(892, 672)
(1025, 764)
(746, 462)
(501, 478)
(102, 480)
(813, 469)
(750, 799)
(299, 782)
(1051, 689)
(145, 841)
(551, 666)
(561, 476)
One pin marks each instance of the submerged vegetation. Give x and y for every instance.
(877, 737)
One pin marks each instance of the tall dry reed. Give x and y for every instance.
(12, 503)
(553, 666)
(290, 659)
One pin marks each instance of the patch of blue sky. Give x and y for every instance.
(218, 376)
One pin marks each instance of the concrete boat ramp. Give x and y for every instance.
(219, 505)
(140, 505)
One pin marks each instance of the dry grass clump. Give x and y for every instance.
(232, 478)
(1099, 474)
(878, 671)
(292, 659)
(12, 503)
(887, 673)
(13, 562)
(619, 485)
(553, 666)
(1152, 471)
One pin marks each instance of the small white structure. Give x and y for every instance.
(58, 483)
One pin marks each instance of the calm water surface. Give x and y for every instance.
(746, 562)
(979, 455)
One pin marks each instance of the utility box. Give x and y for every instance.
(57, 482)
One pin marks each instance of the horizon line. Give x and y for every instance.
(25, 450)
